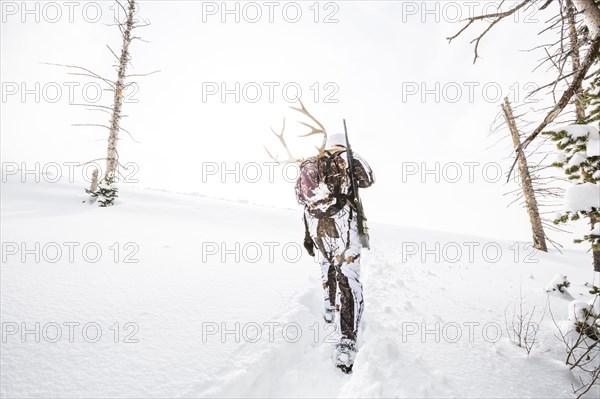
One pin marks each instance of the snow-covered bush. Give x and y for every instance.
(585, 317)
(558, 283)
(106, 193)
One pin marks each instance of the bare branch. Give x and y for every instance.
(143, 74)
(129, 133)
(91, 124)
(113, 53)
(591, 57)
(89, 72)
(497, 17)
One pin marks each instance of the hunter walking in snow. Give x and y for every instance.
(335, 224)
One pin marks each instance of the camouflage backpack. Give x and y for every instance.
(323, 185)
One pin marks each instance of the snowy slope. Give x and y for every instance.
(409, 347)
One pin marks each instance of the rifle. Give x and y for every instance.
(363, 230)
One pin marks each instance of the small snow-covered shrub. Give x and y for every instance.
(585, 318)
(106, 192)
(558, 283)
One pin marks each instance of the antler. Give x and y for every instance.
(291, 158)
(320, 129)
(313, 130)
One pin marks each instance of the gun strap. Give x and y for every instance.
(306, 231)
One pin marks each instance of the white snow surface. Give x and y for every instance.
(577, 159)
(558, 157)
(593, 147)
(416, 305)
(582, 197)
(577, 131)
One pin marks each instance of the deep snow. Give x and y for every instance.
(429, 329)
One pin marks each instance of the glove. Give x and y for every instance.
(309, 245)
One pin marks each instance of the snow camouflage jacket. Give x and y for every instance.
(324, 186)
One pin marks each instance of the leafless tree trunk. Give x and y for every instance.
(112, 154)
(590, 12)
(94, 183)
(575, 61)
(539, 237)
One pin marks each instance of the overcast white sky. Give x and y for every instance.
(365, 67)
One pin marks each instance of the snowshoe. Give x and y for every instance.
(344, 355)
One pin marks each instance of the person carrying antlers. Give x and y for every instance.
(327, 188)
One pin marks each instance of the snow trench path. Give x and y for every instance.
(413, 343)
(283, 368)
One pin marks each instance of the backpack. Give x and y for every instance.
(323, 185)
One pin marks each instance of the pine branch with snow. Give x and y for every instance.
(579, 159)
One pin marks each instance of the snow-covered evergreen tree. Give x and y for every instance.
(579, 158)
(106, 192)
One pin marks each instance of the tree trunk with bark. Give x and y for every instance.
(590, 12)
(575, 61)
(112, 154)
(539, 237)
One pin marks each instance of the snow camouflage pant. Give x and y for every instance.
(338, 241)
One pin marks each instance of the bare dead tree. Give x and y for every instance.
(531, 204)
(103, 185)
(111, 153)
(545, 185)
